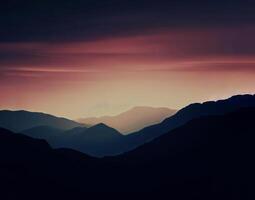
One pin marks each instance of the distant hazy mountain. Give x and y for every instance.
(20, 120)
(133, 119)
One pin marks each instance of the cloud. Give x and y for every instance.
(86, 20)
(182, 49)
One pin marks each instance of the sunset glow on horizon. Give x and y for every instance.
(105, 73)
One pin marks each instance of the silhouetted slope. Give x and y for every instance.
(55, 137)
(30, 169)
(133, 119)
(24, 165)
(102, 140)
(186, 114)
(12, 141)
(101, 131)
(210, 157)
(98, 140)
(203, 132)
(50, 134)
(75, 130)
(20, 120)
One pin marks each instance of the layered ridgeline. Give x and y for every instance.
(30, 168)
(186, 114)
(48, 133)
(133, 119)
(21, 120)
(102, 140)
(98, 140)
(209, 157)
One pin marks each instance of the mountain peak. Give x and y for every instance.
(132, 120)
(102, 128)
(101, 125)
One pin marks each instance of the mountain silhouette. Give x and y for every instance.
(101, 140)
(50, 134)
(75, 130)
(30, 168)
(98, 140)
(20, 120)
(133, 119)
(210, 157)
(55, 137)
(100, 131)
(186, 114)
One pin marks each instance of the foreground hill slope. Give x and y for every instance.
(30, 168)
(207, 158)
(210, 157)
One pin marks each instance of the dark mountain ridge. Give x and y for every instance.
(50, 134)
(209, 157)
(101, 140)
(186, 114)
(20, 120)
(98, 140)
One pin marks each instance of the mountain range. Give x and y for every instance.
(98, 140)
(101, 140)
(133, 119)
(186, 114)
(209, 157)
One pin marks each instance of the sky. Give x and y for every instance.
(91, 58)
